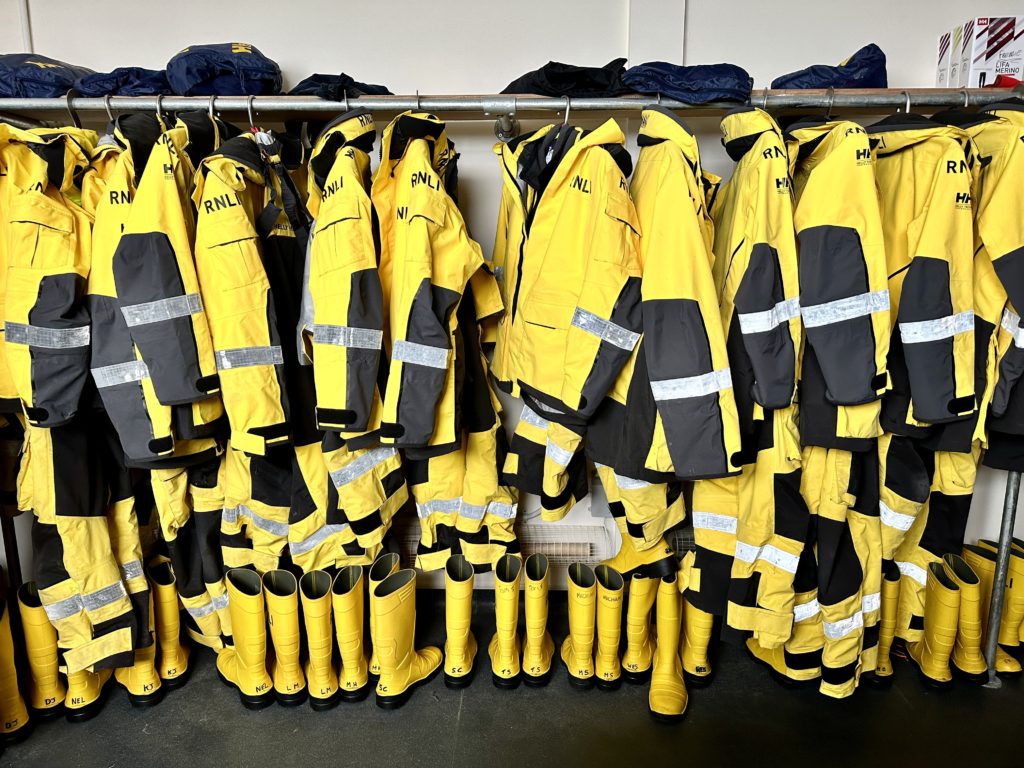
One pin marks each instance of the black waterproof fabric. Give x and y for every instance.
(223, 69)
(124, 81)
(557, 79)
(691, 85)
(865, 69)
(335, 87)
(29, 75)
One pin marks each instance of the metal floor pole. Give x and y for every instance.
(995, 613)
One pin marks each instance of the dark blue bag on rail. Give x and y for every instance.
(124, 81)
(223, 69)
(29, 75)
(865, 69)
(698, 84)
(335, 87)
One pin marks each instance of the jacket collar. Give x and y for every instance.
(353, 129)
(898, 132)
(741, 128)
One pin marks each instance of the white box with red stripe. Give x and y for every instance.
(992, 46)
(942, 70)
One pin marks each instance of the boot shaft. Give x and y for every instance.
(668, 619)
(582, 598)
(458, 600)
(610, 587)
(394, 607)
(535, 602)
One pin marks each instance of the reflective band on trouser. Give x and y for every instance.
(435, 506)
(472, 511)
(162, 310)
(630, 483)
(131, 570)
(532, 418)
(120, 373)
(361, 465)
(345, 336)
(98, 649)
(712, 521)
(806, 611)
(63, 609)
(761, 322)
(912, 571)
(839, 310)
(420, 354)
(202, 611)
(834, 630)
(871, 602)
(748, 553)
(606, 330)
(894, 519)
(558, 454)
(47, 338)
(274, 527)
(1011, 322)
(244, 357)
(501, 509)
(318, 537)
(94, 601)
(692, 386)
(936, 330)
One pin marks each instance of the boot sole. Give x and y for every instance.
(537, 681)
(18, 736)
(89, 711)
(45, 715)
(637, 678)
(262, 701)
(581, 684)
(698, 681)
(399, 700)
(935, 685)
(144, 700)
(880, 681)
(507, 683)
(322, 705)
(608, 685)
(173, 683)
(667, 719)
(291, 699)
(457, 683)
(360, 694)
(977, 678)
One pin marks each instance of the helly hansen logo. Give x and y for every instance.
(771, 152)
(956, 166)
(782, 185)
(120, 197)
(422, 177)
(43, 64)
(580, 183)
(241, 48)
(863, 157)
(333, 187)
(963, 200)
(220, 202)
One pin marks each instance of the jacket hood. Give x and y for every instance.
(354, 129)
(901, 131)
(741, 128)
(658, 124)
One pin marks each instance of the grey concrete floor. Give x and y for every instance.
(743, 717)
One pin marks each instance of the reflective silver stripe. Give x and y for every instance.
(894, 519)
(834, 630)
(63, 609)
(1011, 322)
(606, 330)
(912, 571)
(499, 274)
(201, 611)
(501, 509)
(244, 357)
(161, 310)
(712, 521)
(748, 553)
(361, 465)
(761, 322)
(938, 329)
(805, 611)
(839, 310)
(346, 336)
(532, 418)
(558, 454)
(104, 597)
(320, 536)
(231, 514)
(871, 602)
(220, 602)
(131, 570)
(692, 386)
(546, 408)
(120, 373)
(47, 338)
(438, 506)
(420, 354)
(472, 511)
(630, 483)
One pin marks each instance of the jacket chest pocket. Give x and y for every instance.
(342, 238)
(616, 241)
(41, 234)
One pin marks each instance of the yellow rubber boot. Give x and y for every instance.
(383, 566)
(173, 660)
(244, 665)
(982, 561)
(538, 647)
(140, 680)
(667, 699)
(504, 648)
(1011, 624)
(639, 655)
(654, 562)
(321, 679)
(46, 691)
(610, 588)
(14, 720)
(888, 612)
(968, 658)
(281, 591)
(402, 666)
(698, 627)
(459, 645)
(86, 694)
(941, 614)
(578, 648)
(349, 607)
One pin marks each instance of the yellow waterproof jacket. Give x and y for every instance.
(680, 410)
(755, 266)
(342, 322)
(48, 252)
(573, 283)
(844, 296)
(924, 174)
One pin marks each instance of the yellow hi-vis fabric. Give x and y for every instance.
(844, 296)
(48, 250)
(680, 409)
(924, 175)
(755, 266)
(342, 320)
(570, 267)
